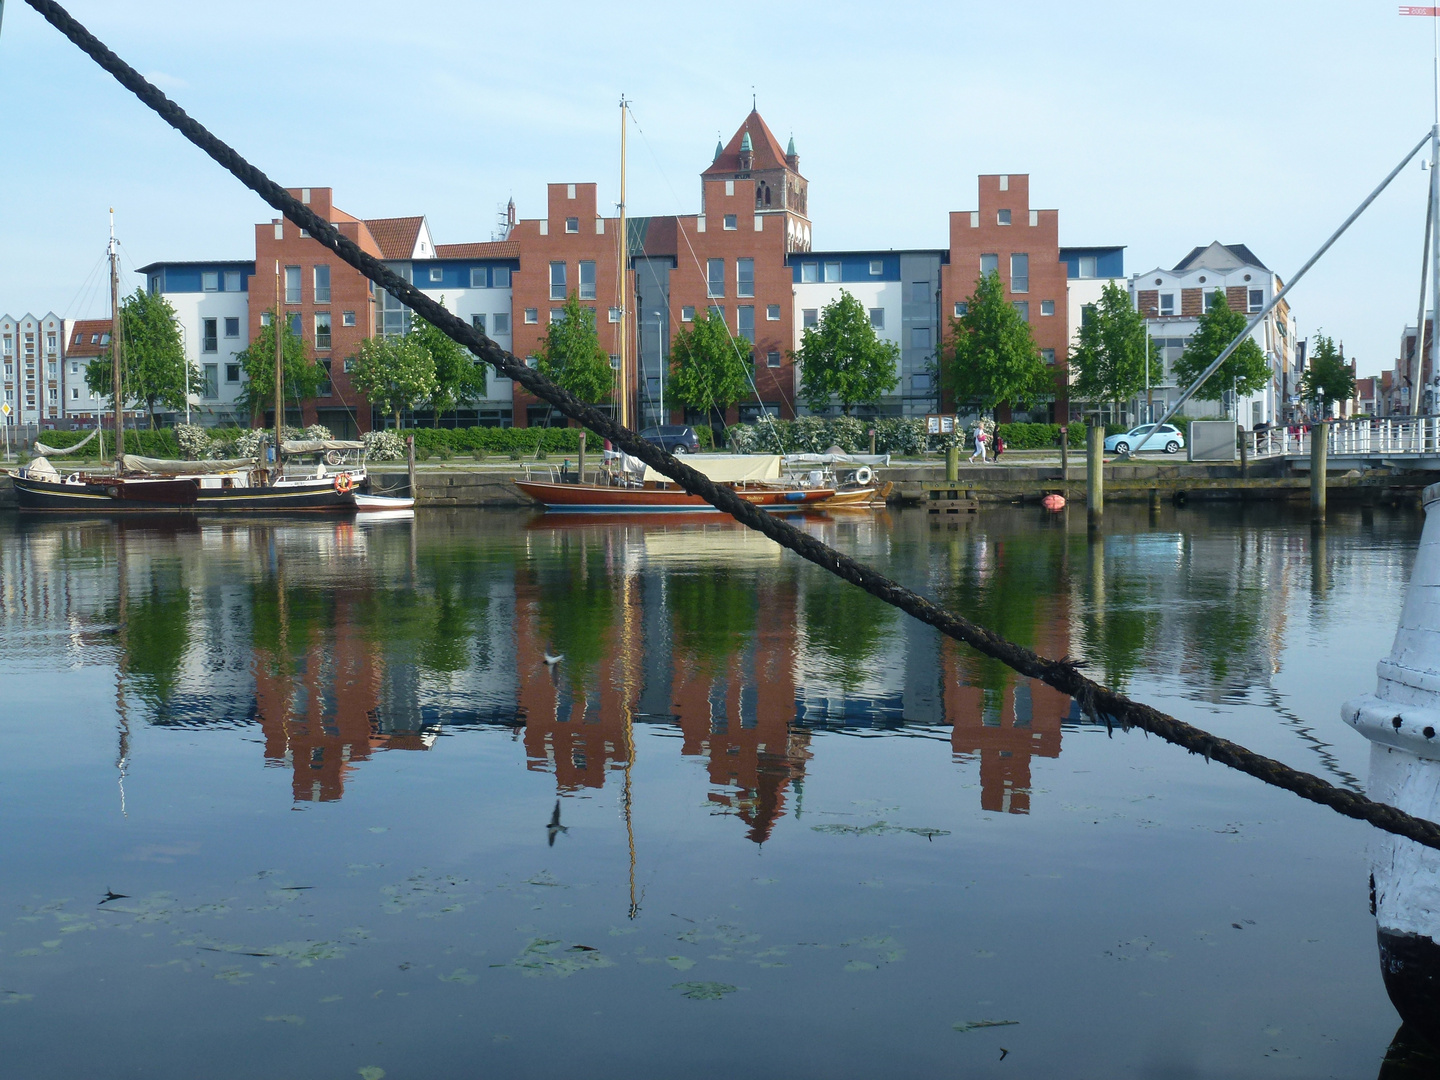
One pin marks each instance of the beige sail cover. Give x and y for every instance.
(168, 467)
(727, 468)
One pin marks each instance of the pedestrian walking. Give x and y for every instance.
(999, 447)
(979, 450)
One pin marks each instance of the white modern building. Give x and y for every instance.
(1173, 301)
(32, 348)
(900, 290)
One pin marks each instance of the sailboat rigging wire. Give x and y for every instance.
(680, 228)
(1100, 703)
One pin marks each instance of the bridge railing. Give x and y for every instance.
(1381, 436)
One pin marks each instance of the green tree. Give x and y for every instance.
(707, 369)
(1110, 350)
(842, 358)
(459, 377)
(1327, 377)
(570, 354)
(394, 373)
(1245, 371)
(991, 359)
(155, 370)
(302, 375)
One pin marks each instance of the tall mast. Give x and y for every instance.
(279, 371)
(115, 346)
(623, 401)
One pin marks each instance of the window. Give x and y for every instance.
(1047, 307)
(322, 330)
(210, 281)
(74, 393)
(557, 281)
(1088, 267)
(265, 318)
(922, 383)
(208, 338)
(322, 284)
(730, 224)
(557, 314)
(292, 284)
(920, 337)
(1209, 302)
(877, 318)
(326, 388)
(1048, 355)
(809, 317)
(961, 308)
(572, 224)
(772, 359)
(349, 366)
(501, 322)
(744, 277)
(232, 326)
(714, 277)
(920, 292)
(74, 367)
(772, 312)
(1257, 300)
(479, 277)
(1023, 307)
(232, 281)
(500, 277)
(615, 361)
(615, 314)
(587, 280)
(1002, 217)
(832, 271)
(53, 394)
(809, 273)
(877, 267)
(745, 322)
(1167, 303)
(294, 321)
(687, 314)
(478, 322)
(717, 312)
(1019, 273)
(989, 264)
(436, 275)
(532, 316)
(232, 373)
(210, 383)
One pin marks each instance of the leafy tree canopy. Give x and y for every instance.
(841, 357)
(394, 373)
(1110, 350)
(1327, 377)
(302, 375)
(1246, 370)
(154, 369)
(707, 368)
(570, 354)
(459, 377)
(991, 358)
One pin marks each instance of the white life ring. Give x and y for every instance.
(863, 475)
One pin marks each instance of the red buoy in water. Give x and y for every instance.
(1053, 502)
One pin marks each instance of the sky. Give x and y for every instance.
(1159, 127)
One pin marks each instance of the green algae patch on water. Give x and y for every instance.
(552, 957)
(704, 991)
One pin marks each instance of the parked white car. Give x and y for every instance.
(1165, 437)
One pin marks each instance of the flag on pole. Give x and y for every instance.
(1404, 10)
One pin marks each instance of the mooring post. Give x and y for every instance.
(1065, 461)
(581, 462)
(952, 463)
(1317, 468)
(1095, 472)
(1244, 454)
(872, 442)
(410, 461)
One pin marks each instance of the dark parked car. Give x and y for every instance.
(677, 438)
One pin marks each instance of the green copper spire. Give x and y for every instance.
(745, 145)
(790, 150)
(719, 148)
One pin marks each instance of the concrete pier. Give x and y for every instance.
(1318, 448)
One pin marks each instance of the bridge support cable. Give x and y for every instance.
(1100, 703)
(1259, 317)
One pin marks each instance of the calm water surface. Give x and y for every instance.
(798, 835)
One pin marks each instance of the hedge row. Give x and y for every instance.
(496, 440)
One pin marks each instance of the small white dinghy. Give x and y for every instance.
(372, 504)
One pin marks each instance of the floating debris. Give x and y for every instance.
(550, 956)
(976, 1025)
(704, 991)
(878, 828)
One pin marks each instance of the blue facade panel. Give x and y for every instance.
(456, 273)
(1109, 261)
(854, 265)
(190, 277)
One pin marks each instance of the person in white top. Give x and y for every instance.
(979, 445)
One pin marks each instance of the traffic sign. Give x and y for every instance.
(5, 408)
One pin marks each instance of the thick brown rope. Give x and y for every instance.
(1098, 702)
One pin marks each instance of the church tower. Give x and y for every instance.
(753, 156)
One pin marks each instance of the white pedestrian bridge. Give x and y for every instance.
(1408, 442)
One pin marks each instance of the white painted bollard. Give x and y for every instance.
(1402, 721)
